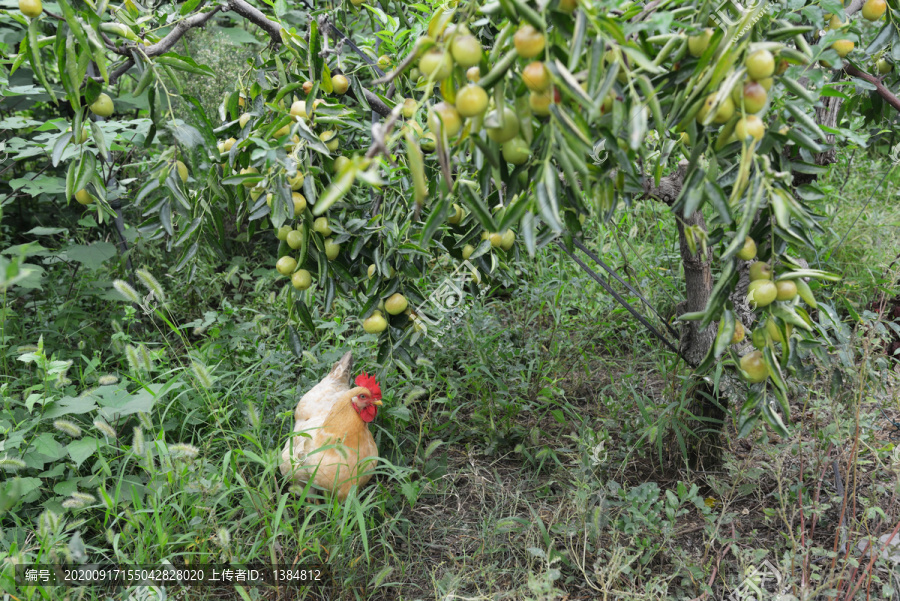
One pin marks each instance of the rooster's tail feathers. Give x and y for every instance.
(341, 370)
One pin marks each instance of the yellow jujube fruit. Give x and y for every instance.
(84, 197)
(298, 109)
(296, 182)
(873, 10)
(330, 139)
(787, 290)
(529, 42)
(444, 117)
(375, 323)
(748, 251)
(760, 64)
(697, 44)
(299, 203)
(754, 367)
(331, 249)
(321, 225)
(760, 270)
(340, 84)
(31, 8)
(396, 304)
(102, 106)
(249, 171)
(457, 215)
(507, 130)
(466, 50)
(286, 265)
(294, 239)
(301, 279)
(750, 126)
(761, 293)
(843, 47)
(471, 100)
(536, 77)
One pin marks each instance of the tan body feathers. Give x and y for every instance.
(330, 443)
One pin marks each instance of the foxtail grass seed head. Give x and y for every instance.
(106, 429)
(151, 284)
(11, 464)
(146, 359)
(48, 523)
(202, 374)
(137, 443)
(145, 420)
(107, 380)
(128, 293)
(252, 415)
(134, 361)
(183, 451)
(67, 427)
(224, 537)
(84, 497)
(72, 504)
(87, 392)
(414, 395)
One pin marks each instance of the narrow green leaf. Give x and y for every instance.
(34, 53)
(336, 190)
(478, 208)
(294, 341)
(798, 90)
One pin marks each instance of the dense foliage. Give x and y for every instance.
(369, 169)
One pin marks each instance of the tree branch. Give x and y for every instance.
(120, 70)
(255, 16)
(650, 8)
(160, 47)
(669, 187)
(183, 26)
(888, 96)
(854, 7)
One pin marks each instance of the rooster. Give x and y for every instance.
(331, 435)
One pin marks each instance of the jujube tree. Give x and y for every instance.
(482, 132)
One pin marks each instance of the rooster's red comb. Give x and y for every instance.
(369, 382)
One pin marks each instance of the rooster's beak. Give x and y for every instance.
(377, 403)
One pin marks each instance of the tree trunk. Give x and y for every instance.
(707, 404)
(695, 342)
(827, 115)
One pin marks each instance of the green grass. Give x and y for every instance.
(527, 457)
